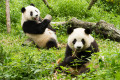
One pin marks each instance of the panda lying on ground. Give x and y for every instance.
(79, 48)
(39, 31)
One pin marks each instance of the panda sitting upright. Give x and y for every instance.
(79, 48)
(36, 29)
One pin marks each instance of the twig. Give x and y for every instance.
(74, 53)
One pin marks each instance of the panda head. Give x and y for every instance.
(79, 38)
(30, 13)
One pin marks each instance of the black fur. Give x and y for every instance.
(50, 27)
(87, 31)
(83, 41)
(95, 46)
(33, 27)
(51, 43)
(74, 41)
(32, 4)
(81, 57)
(23, 10)
(31, 13)
(70, 30)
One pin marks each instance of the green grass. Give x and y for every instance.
(27, 62)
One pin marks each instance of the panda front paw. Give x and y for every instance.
(69, 59)
(46, 21)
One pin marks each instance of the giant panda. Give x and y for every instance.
(37, 30)
(80, 46)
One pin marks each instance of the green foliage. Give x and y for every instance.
(113, 1)
(19, 62)
(71, 8)
(2, 16)
(110, 5)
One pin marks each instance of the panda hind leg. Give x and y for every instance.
(84, 69)
(51, 43)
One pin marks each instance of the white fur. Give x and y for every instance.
(42, 39)
(79, 34)
(26, 15)
(78, 44)
(39, 39)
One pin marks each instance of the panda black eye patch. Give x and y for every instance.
(83, 41)
(31, 13)
(74, 41)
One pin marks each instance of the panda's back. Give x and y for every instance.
(42, 39)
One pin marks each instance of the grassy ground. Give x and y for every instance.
(27, 62)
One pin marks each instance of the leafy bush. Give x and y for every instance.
(2, 16)
(110, 5)
(71, 8)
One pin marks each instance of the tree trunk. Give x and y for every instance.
(8, 16)
(107, 30)
(101, 27)
(91, 4)
(46, 3)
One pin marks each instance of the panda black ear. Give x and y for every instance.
(87, 31)
(32, 4)
(23, 10)
(70, 30)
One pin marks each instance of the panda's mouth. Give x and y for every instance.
(36, 19)
(79, 49)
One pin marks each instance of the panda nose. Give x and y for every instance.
(78, 47)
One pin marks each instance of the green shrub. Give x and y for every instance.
(71, 8)
(2, 16)
(110, 5)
